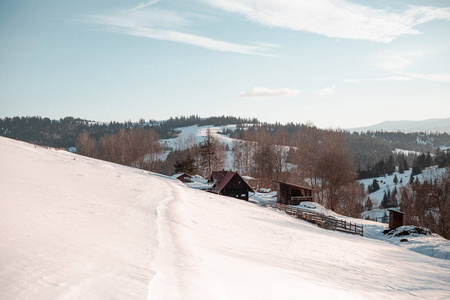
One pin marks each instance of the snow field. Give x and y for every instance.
(78, 228)
(73, 227)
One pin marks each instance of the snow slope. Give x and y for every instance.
(78, 228)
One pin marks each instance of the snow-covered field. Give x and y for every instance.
(78, 228)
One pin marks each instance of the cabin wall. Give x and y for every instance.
(236, 188)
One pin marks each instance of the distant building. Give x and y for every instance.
(293, 194)
(230, 184)
(183, 177)
(395, 218)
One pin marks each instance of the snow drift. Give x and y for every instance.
(78, 228)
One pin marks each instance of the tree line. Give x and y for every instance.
(368, 148)
(64, 132)
(139, 148)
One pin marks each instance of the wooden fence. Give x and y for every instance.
(324, 221)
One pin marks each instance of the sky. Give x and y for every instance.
(336, 63)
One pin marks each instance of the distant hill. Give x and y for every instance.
(430, 125)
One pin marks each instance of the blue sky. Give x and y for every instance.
(337, 63)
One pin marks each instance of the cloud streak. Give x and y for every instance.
(334, 18)
(326, 91)
(389, 78)
(399, 63)
(144, 5)
(262, 93)
(445, 78)
(164, 25)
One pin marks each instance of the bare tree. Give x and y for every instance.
(309, 142)
(86, 145)
(427, 204)
(334, 167)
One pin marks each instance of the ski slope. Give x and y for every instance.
(78, 228)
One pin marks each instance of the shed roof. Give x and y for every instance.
(305, 187)
(396, 211)
(225, 177)
(180, 174)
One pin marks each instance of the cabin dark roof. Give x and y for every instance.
(223, 178)
(396, 211)
(305, 187)
(217, 176)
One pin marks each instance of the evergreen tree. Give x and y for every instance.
(395, 179)
(394, 200)
(207, 151)
(405, 163)
(401, 166)
(373, 187)
(368, 204)
(384, 202)
(421, 161)
(186, 165)
(429, 160)
(417, 169)
(390, 165)
(411, 179)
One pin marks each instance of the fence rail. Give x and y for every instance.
(324, 221)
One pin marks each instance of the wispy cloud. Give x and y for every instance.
(164, 25)
(262, 93)
(334, 18)
(144, 5)
(389, 78)
(397, 61)
(325, 91)
(401, 63)
(430, 77)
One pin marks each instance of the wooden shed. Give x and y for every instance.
(183, 177)
(293, 194)
(395, 218)
(230, 184)
(253, 182)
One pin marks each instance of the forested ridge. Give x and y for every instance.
(368, 147)
(63, 133)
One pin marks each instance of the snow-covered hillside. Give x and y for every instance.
(195, 134)
(78, 228)
(387, 183)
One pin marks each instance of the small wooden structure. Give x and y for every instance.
(324, 221)
(230, 184)
(253, 182)
(183, 177)
(293, 194)
(395, 218)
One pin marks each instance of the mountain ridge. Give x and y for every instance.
(441, 125)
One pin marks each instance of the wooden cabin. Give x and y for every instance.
(395, 218)
(293, 194)
(230, 184)
(183, 177)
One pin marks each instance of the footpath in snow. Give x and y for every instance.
(78, 228)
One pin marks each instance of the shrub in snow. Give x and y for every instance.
(407, 230)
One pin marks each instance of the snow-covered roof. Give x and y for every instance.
(180, 174)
